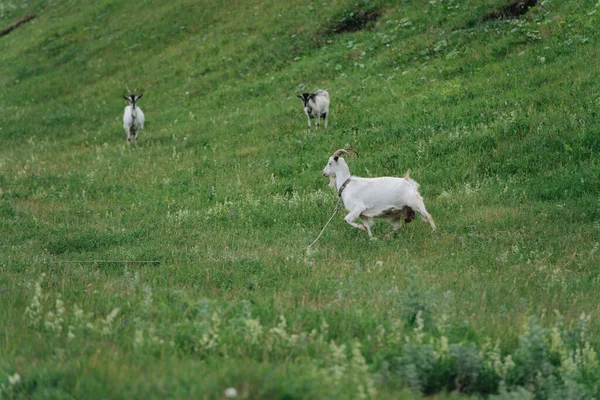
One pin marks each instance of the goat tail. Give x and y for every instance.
(420, 208)
(411, 181)
(429, 219)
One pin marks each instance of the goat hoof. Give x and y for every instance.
(363, 228)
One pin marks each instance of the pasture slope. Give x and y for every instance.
(497, 119)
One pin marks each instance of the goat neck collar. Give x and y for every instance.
(343, 187)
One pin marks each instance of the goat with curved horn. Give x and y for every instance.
(388, 198)
(345, 151)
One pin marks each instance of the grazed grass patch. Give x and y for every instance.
(355, 19)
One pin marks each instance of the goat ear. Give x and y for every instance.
(300, 97)
(335, 158)
(140, 96)
(126, 98)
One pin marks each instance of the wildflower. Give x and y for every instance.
(418, 330)
(147, 297)
(444, 346)
(584, 324)
(70, 334)
(395, 334)
(107, 322)
(60, 307)
(255, 330)
(324, 331)
(380, 335)
(557, 345)
(53, 322)
(34, 311)
(360, 369)
(15, 379)
(589, 359)
(280, 330)
(230, 392)
(338, 357)
(138, 340)
(210, 339)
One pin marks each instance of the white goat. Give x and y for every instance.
(387, 198)
(316, 105)
(133, 118)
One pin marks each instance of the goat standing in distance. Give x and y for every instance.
(133, 118)
(316, 105)
(387, 198)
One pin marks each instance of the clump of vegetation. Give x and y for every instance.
(513, 9)
(428, 359)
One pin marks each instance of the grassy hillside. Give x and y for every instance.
(497, 119)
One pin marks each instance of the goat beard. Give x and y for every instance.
(332, 182)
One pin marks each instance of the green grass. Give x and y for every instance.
(497, 120)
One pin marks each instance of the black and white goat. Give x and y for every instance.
(387, 198)
(133, 118)
(316, 105)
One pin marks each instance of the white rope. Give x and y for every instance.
(337, 208)
(105, 261)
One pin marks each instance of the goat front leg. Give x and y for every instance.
(134, 134)
(307, 116)
(367, 224)
(326, 116)
(318, 119)
(351, 217)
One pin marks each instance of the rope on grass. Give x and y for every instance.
(337, 208)
(104, 261)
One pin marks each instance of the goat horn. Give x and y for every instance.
(345, 151)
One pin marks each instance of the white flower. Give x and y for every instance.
(70, 334)
(255, 330)
(230, 392)
(13, 380)
(107, 322)
(138, 341)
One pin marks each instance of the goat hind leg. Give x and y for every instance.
(396, 224)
